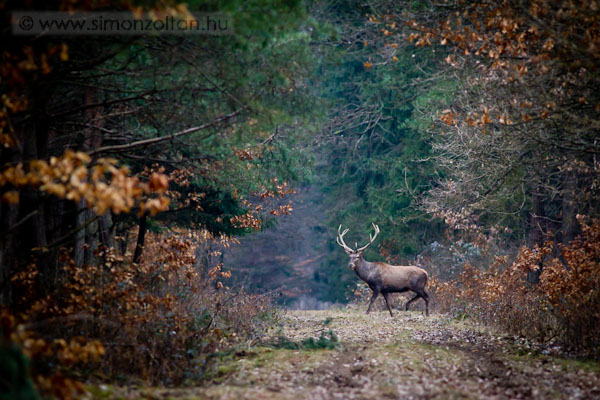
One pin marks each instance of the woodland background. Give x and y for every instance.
(160, 192)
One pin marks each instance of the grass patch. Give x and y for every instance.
(326, 341)
(579, 364)
(101, 392)
(565, 364)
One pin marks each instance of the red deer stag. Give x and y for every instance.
(385, 278)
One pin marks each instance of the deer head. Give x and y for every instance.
(355, 255)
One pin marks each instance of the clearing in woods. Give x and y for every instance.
(407, 357)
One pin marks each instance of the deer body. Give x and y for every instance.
(385, 278)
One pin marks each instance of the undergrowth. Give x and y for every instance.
(561, 309)
(164, 320)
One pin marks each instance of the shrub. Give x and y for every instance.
(563, 306)
(498, 296)
(572, 290)
(159, 320)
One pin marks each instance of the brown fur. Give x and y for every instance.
(385, 278)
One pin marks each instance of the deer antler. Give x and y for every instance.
(340, 240)
(371, 238)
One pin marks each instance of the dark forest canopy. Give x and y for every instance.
(149, 180)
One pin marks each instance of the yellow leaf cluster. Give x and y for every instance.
(102, 186)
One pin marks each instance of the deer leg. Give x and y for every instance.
(425, 297)
(387, 302)
(375, 294)
(411, 300)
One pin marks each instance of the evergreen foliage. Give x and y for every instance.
(375, 152)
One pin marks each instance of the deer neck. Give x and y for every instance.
(366, 271)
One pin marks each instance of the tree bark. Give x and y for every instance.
(78, 248)
(8, 220)
(139, 247)
(536, 230)
(106, 234)
(91, 238)
(35, 145)
(568, 221)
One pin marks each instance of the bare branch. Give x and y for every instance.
(146, 142)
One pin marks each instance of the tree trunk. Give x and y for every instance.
(95, 232)
(139, 247)
(106, 234)
(568, 221)
(91, 238)
(536, 230)
(79, 247)
(32, 201)
(8, 220)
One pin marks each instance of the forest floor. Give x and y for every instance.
(408, 357)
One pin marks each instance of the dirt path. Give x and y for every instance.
(407, 357)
